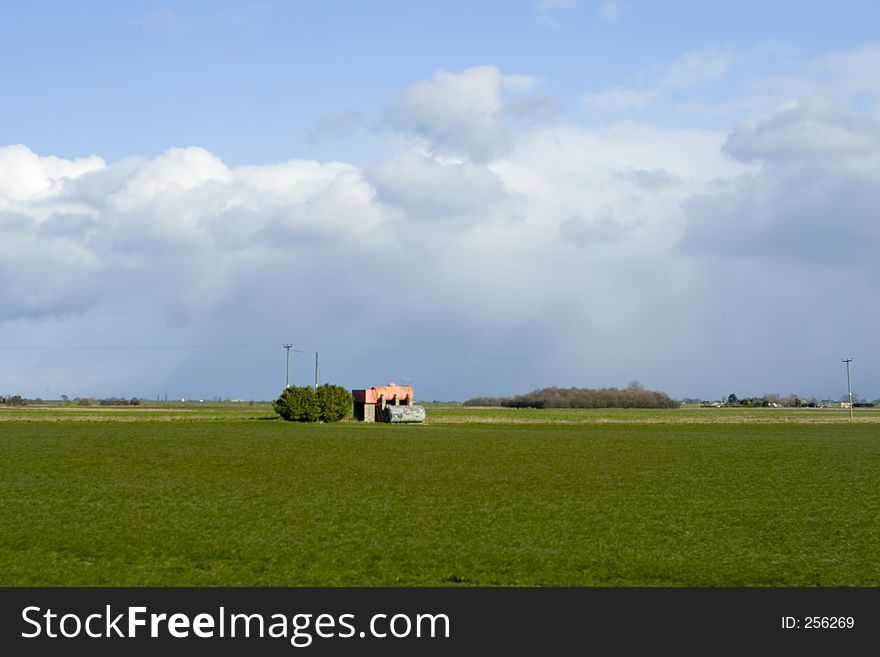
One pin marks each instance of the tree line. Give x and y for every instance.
(18, 400)
(790, 401)
(633, 396)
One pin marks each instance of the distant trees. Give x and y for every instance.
(330, 403)
(634, 396)
(18, 400)
(118, 401)
(771, 401)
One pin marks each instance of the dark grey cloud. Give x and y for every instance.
(810, 129)
(45, 277)
(815, 199)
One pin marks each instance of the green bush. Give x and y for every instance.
(297, 404)
(334, 402)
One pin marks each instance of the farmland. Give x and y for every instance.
(215, 495)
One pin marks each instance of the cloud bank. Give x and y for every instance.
(488, 255)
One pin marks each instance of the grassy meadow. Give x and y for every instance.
(223, 495)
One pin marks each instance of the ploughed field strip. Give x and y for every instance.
(600, 501)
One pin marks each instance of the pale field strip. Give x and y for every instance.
(131, 414)
(872, 419)
(111, 418)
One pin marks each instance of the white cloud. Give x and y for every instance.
(650, 179)
(174, 173)
(425, 188)
(466, 114)
(602, 230)
(29, 177)
(158, 223)
(291, 182)
(454, 112)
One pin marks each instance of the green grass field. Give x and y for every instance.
(214, 496)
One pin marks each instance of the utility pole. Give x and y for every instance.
(316, 371)
(849, 387)
(287, 382)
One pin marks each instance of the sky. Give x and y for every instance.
(477, 198)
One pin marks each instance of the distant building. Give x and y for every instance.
(391, 403)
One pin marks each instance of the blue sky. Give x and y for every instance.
(250, 81)
(484, 197)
